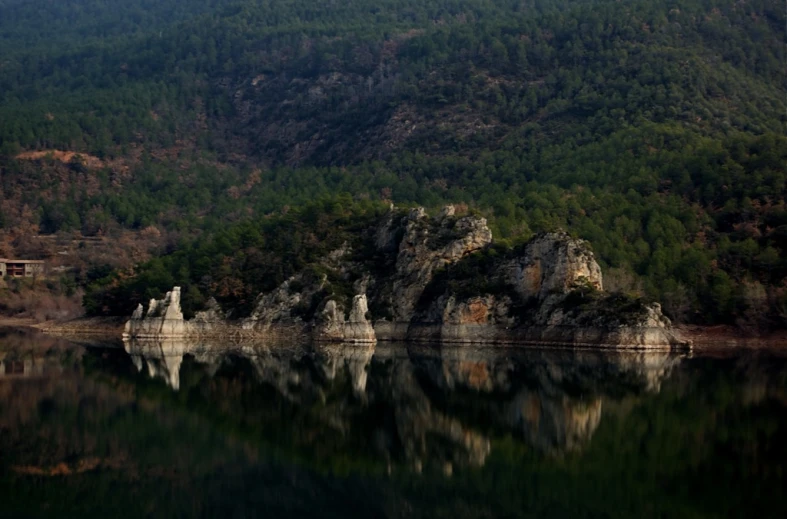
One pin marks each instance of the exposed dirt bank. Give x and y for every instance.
(722, 337)
(111, 327)
(17, 322)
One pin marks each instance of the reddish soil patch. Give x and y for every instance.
(62, 156)
(63, 469)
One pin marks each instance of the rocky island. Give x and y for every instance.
(415, 277)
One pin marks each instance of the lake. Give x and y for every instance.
(198, 430)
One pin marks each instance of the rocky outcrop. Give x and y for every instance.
(281, 307)
(332, 325)
(164, 318)
(426, 246)
(549, 291)
(552, 265)
(436, 279)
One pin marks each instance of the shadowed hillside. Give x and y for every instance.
(655, 130)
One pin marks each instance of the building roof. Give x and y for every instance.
(6, 260)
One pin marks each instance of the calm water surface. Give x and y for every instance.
(188, 430)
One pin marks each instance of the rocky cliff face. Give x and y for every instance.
(427, 245)
(280, 306)
(438, 279)
(552, 264)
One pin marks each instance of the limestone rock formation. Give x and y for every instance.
(358, 328)
(552, 263)
(280, 306)
(208, 321)
(332, 325)
(436, 279)
(212, 313)
(163, 319)
(426, 246)
(550, 291)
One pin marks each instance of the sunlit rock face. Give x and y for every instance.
(552, 264)
(164, 318)
(279, 307)
(533, 294)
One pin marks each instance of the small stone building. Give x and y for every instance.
(18, 268)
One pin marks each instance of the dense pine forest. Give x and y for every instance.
(206, 131)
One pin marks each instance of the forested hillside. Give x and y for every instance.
(654, 129)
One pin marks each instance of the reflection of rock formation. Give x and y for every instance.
(431, 406)
(419, 433)
(427, 433)
(553, 398)
(161, 358)
(355, 359)
(554, 424)
(495, 369)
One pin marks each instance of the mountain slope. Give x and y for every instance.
(653, 129)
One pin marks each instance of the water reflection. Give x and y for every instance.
(441, 403)
(174, 429)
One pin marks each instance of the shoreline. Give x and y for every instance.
(701, 338)
(726, 337)
(18, 322)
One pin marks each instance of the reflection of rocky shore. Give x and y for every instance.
(262, 427)
(440, 406)
(26, 367)
(19, 361)
(552, 398)
(161, 359)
